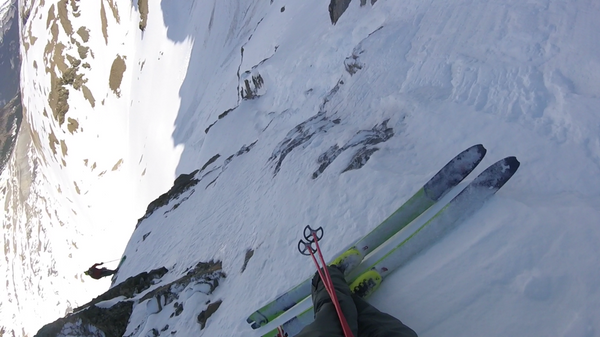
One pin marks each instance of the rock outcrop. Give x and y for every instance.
(109, 314)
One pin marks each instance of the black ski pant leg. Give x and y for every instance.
(327, 323)
(107, 272)
(374, 323)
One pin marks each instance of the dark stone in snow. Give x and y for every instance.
(337, 8)
(364, 140)
(203, 317)
(302, 134)
(183, 183)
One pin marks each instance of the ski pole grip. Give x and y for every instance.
(308, 233)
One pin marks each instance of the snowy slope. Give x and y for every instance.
(75, 187)
(446, 76)
(515, 76)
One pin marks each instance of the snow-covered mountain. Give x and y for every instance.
(271, 117)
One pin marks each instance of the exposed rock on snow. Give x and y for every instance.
(337, 8)
(116, 74)
(143, 8)
(183, 183)
(203, 317)
(225, 113)
(109, 313)
(253, 85)
(249, 254)
(363, 139)
(218, 169)
(301, 135)
(90, 319)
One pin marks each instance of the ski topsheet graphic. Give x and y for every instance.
(441, 183)
(464, 204)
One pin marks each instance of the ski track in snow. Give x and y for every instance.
(420, 80)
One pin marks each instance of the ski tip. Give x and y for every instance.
(514, 161)
(508, 167)
(511, 164)
(474, 154)
(479, 148)
(454, 172)
(499, 173)
(478, 152)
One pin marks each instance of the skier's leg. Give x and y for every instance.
(374, 323)
(327, 323)
(107, 272)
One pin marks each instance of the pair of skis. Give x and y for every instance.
(465, 203)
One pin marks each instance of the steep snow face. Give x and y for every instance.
(88, 158)
(291, 120)
(397, 89)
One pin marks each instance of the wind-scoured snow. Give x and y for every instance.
(344, 123)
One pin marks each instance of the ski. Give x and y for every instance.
(441, 183)
(464, 204)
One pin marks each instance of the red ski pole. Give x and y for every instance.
(325, 276)
(280, 332)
